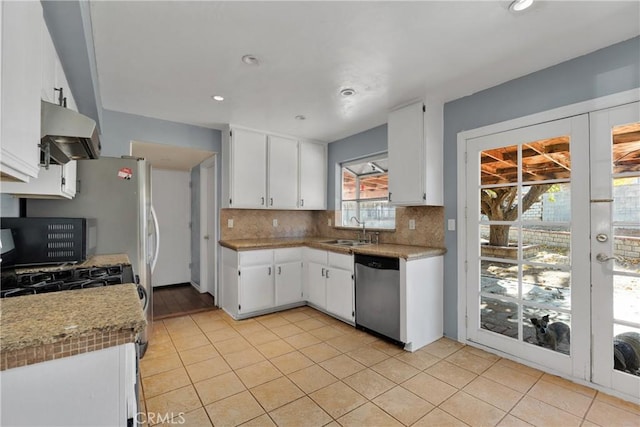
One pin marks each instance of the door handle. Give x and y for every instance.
(604, 258)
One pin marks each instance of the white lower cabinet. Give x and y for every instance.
(261, 280)
(97, 388)
(329, 282)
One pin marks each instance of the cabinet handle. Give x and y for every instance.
(279, 270)
(301, 202)
(271, 201)
(326, 274)
(389, 195)
(261, 201)
(269, 271)
(323, 272)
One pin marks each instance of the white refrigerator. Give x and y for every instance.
(117, 193)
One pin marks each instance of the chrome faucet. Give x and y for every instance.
(364, 230)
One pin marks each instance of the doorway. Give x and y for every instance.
(550, 274)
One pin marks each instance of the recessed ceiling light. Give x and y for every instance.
(300, 117)
(348, 92)
(217, 98)
(250, 60)
(520, 5)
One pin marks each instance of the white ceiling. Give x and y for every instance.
(166, 59)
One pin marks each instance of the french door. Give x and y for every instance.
(553, 245)
(527, 192)
(615, 247)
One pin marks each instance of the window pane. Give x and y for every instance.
(553, 333)
(498, 316)
(348, 185)
(349, 209)
(377, 214)
(374, 187)
(546, 159)
(499, 165)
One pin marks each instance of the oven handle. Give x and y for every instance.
(142, 293)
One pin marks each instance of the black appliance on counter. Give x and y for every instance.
(50, 240)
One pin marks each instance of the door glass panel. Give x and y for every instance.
(499, 165)
(546, 234)
(626, 247)
(552, 332)
(499, 278)
(626, 348)
(525, 238)
(546, 286)
(500, 317)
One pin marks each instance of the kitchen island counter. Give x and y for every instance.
(383, 249)
(36, 328)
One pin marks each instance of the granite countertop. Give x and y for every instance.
(383, 249)
(36, 320)
(93, 261)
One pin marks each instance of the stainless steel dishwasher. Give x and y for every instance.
(378, 295)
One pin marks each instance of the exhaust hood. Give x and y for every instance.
(67, 135)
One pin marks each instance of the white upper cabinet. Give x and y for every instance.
(57, 182)
(265, 171)
(20, 78)
(313, 175)
(415, 155)
(53, 76)
(283, 173)
(248, 169)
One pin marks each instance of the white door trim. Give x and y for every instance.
(545, 116)
(208, 221)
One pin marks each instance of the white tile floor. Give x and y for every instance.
(303, 368)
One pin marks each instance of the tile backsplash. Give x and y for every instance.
(259, 224)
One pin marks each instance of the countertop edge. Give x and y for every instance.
(407, 252)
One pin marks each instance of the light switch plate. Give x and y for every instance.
(451, 224)
(230, 223)
(412, 224)
(275, 222)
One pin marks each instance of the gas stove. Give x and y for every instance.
(64, 280)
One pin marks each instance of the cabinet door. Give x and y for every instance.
(248, 169)
(20, 86)
(283, 173)
(340, 293)
(407, 155)
(288, 282)
(69, 172)
(49, 58)
(313, 176)
(316, 286)
(256, 288)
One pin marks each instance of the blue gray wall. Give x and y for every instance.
(118, 129)
(604, 72)
(365, 143)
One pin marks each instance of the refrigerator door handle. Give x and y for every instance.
(157, 238)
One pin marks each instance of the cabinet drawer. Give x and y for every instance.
(260, 257)
(341, 261)
(287, 255)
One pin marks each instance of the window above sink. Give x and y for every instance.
(365, 193)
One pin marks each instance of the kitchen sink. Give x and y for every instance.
(347, 243)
